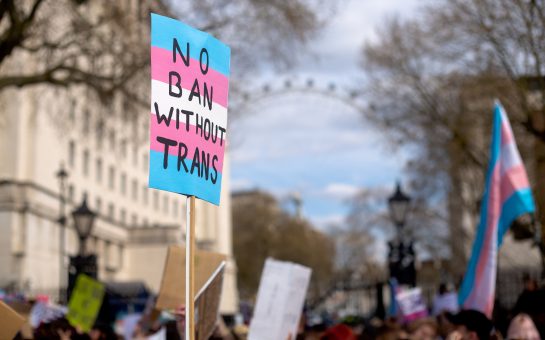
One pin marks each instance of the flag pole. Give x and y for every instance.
(190, 269)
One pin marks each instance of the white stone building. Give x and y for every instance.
(135, 224)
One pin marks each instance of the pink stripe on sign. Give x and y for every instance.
(514, 179)
(162, 65)
(189, 138)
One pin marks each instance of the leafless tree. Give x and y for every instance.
(369, 216)
(104, 45)
(433, 80)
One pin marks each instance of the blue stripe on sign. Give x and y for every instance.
(165, 29)
(170, 179)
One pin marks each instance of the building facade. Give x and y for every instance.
(42, 127)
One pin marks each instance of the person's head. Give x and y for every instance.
(444, 326)
(522, 328)
(339, 332)
(472, 325)
(102, 331)
(423, 329)
(530, 284)
(443, 289)
(391, 331)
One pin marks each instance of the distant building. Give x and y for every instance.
(109, 164)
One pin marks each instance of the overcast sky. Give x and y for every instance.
(317, 146)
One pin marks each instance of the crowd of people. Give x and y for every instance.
(466, 324)
(525, 321)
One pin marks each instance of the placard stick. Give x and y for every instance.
(190, 269)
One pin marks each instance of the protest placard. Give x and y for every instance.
(280, 299)
(447, 302)
(172, 289)
(159, 335)
(85, 302)
(411, 304)
(10, 322)
(188, 121)
(43, 312)
(207, 304)
(24, 309)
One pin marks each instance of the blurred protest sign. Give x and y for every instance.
(160, 335)
(447, 302)
(411, 304)
(172, 289)
(126, 325)
(207, 304)
(10, 322)
(85, 302)
(188, 121)
(280, 300)
(23, 308)
(45, 312)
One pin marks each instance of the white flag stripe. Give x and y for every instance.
(510, 157)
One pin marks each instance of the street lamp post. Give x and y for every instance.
(84, 219)
(401, 254)
(398, 204)
(61, 175)
(82, 263)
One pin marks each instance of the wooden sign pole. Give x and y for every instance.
(190, 269)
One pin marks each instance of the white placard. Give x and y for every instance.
(412, 304)
(160, 335)
(280, 299)
(447, 302)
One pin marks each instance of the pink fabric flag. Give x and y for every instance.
(507, 196)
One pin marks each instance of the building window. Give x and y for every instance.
(145, 194)
(145, 162)
(134, 190)
(123, 216)
(108, 254)
(86, 121)
(145, 130)
(156, 200)
(145, 222)
(123, 183)
(124, 148)
(71, 193)
(73, 111)
(98, 205)
(111, 178)
(72, 153)
(99, 170)
(119, 256)
(175, 208)
(165, 204)
(112, 140)
(86, 162)
(111, 211)
(100, 133)
(135, 155)
(134, 129)
(134, 220)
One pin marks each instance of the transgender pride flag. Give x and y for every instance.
(507, 195)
